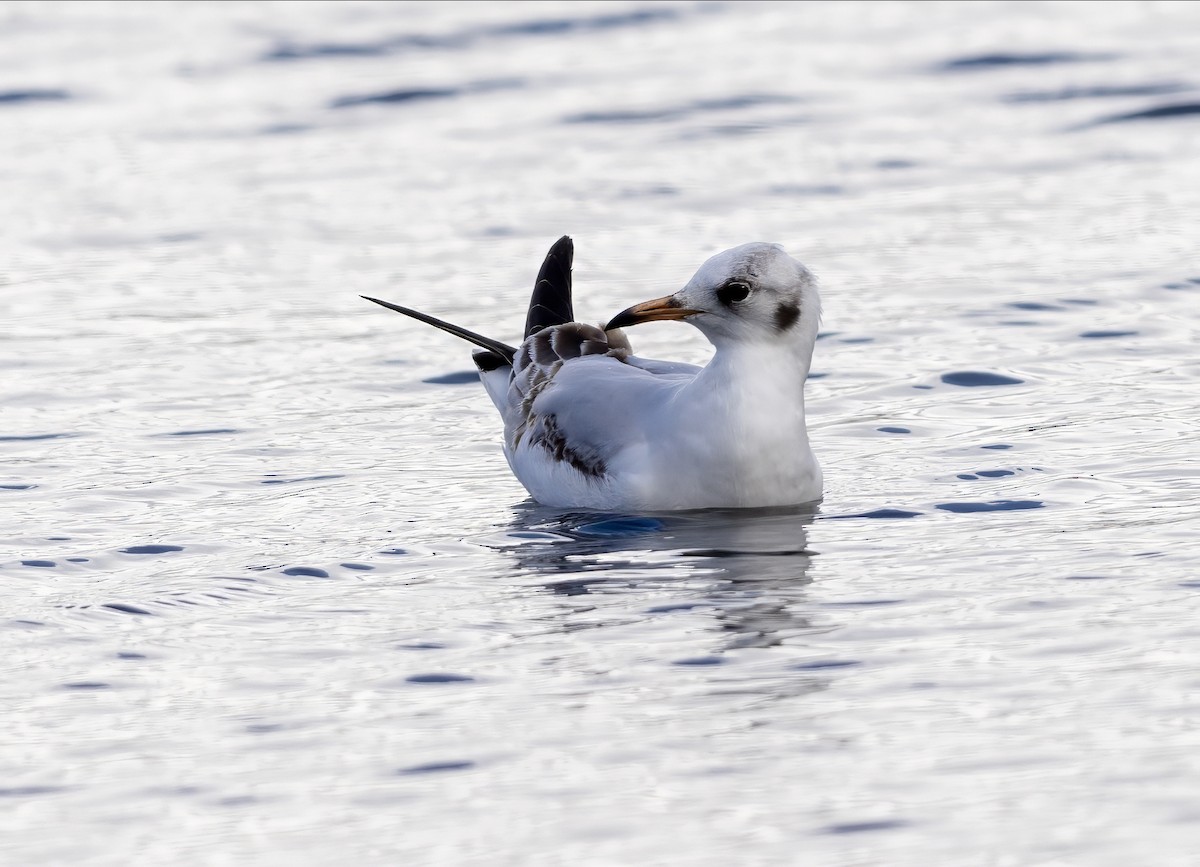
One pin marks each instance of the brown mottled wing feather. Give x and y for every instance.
(538, 359)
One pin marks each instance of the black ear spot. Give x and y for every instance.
(732, 292)
(786, 315)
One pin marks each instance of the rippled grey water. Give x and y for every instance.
(270, 594)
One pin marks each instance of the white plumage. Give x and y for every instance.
(589, 425)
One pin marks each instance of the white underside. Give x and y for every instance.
(671, 437)
(636, 484)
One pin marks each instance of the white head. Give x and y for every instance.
(755, 293)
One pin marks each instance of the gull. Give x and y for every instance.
(590, 425)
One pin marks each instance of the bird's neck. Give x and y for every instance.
(764, 374)
(748, 406)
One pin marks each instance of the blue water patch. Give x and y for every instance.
(607, 21)
(126, 608)
(978, 379)
(1100, 91)
(677, 112)
(436, 768)
(360, 567)
(461, 377)
(823, 664)
(572, 588)
(861, 603)
(805, 190)
(1032, 305)
(78, 560)
(305, 572)
(439, 678)
(1158, 112)
(649, 191)
(151, 549)
(863, 827)
(422, 94)
(726, 130)
(985, 474)
(44, 564)
(991, 506)
(1087, 577)
(895, 430)
(264, 728)
(392, 97)
(30, 791)
(28, 438)
(699, 660)
(997, 59)
(421, 645)
(884, 514)
(285, 128)
(677, 606)
(238, 801)
(621, 527)
(1101, 335)
(86, 684)
(14, 97)
(736, 552)
(394, 552)
(997, 446)
(291, 51)
(17, 487)
(203, 432)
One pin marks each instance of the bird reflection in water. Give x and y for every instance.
(749, 567)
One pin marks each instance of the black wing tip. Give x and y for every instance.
(551, 300)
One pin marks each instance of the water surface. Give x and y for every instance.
(268, 591)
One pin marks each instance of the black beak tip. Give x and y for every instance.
(621, 320)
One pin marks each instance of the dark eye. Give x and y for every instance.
(734, 290)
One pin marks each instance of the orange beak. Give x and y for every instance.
(648, 311)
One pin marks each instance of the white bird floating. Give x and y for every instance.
(589, 425)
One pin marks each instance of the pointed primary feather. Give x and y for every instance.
(550, 303)
(502, 349)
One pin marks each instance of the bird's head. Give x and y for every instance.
(755, 293)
